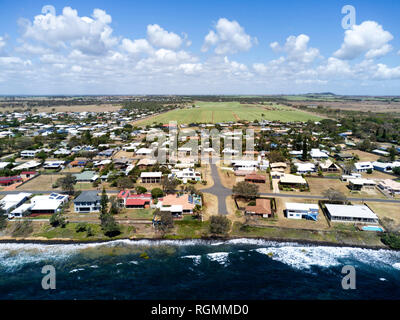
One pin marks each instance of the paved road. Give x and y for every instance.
(218, 190)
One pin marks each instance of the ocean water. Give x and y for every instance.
(235, 269)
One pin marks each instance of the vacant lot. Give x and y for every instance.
(364, 156)
(41, 183)
(213, 112)
(388, 210)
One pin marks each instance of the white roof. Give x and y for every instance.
(355, 211)
(151, 174)
(301, 206)
(291, 178)
(144, 151)
(360, 181)
(363, 165)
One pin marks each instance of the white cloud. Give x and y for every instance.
(229, 37)
(89, 35)
(137, 46)
(190, 68)
(2, 42)
(368, 38)
(384, 72)
(297, 49)
(161, 38)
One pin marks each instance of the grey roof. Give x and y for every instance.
(87, 196)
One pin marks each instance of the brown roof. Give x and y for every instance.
(263, 206)
(254, 176)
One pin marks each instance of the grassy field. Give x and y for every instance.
(213, 112)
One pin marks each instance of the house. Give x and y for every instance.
(53, 165)
(179, 204)
(27, 165)
(185, 174)
(12, 201)
(292, 180)
(363, 166)
(277, 174)
(381, 152)
(278, 166)
(317, 154)
(78, 163)
(389, 186)
(347, 177)
(151, 177)
(136, 201)
(86, 176)
(144, 152)
(382, 166)
(350, 213)
(6, 181)
(229, 151)
(304, 168)
(361, 184)
(302, 211)
(48, 204)
(296, 154)
(262, 208)
(329, 166)
(86, 202)
(28, 174)
(344, 156)
(146, 162)
(29, 153)
(255, 178)
(247, 165)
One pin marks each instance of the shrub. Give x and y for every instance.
(81, 227)
(157, 193)
(22, 229)
(219, 225)
(391, 239)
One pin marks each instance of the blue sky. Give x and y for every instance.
(198, 47)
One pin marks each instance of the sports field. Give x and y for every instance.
(213, 112)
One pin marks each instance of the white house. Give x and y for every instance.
(302, 211)
(305, 167)
(12, 201)
(354, 213)
(317, 154)
(363, 166)
(185, 174)
(48, 204)
(29, 153)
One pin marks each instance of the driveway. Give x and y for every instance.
(218, 190)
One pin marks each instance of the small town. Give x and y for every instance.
(199, 159)
(102, 175)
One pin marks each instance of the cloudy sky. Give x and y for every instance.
(198, 47)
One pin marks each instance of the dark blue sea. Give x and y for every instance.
(235, 269)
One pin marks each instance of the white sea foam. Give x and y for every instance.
(94, 266)
(76, 270)
(396, 265)
(196, 259)
(304, 257)
(220, 257)
(133, 262)
(382, 279)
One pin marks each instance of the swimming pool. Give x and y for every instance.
(372, 228)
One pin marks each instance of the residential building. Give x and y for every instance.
(262, 208)
(255, 178)
(361, 184)
(351, 213)
(363, 166)
(302, 211)
(86, 202)
(390, 186)
(48, 204)
(151, 177)
(127, 199)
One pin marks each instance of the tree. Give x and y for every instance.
(114, 208)
(3, 218)
(276, 156)
(103, 202)
(67, 183)
(157, 193)
(392, 153)
(304, 156)
(124, 183)
(109, 226)
(141, 189)
(245, 189)
(396, 170)
(169, 185)
(334, 196)
(166, 220)
(219, 225)
(57, 220)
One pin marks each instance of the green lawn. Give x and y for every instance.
(213, 112)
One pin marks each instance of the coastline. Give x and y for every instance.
(61, 241)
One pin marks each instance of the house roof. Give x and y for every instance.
(255, 177)
(183, 200)
(355, 211)
(87, 196)
(263, 206)
(291, 178)
(136, 202)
